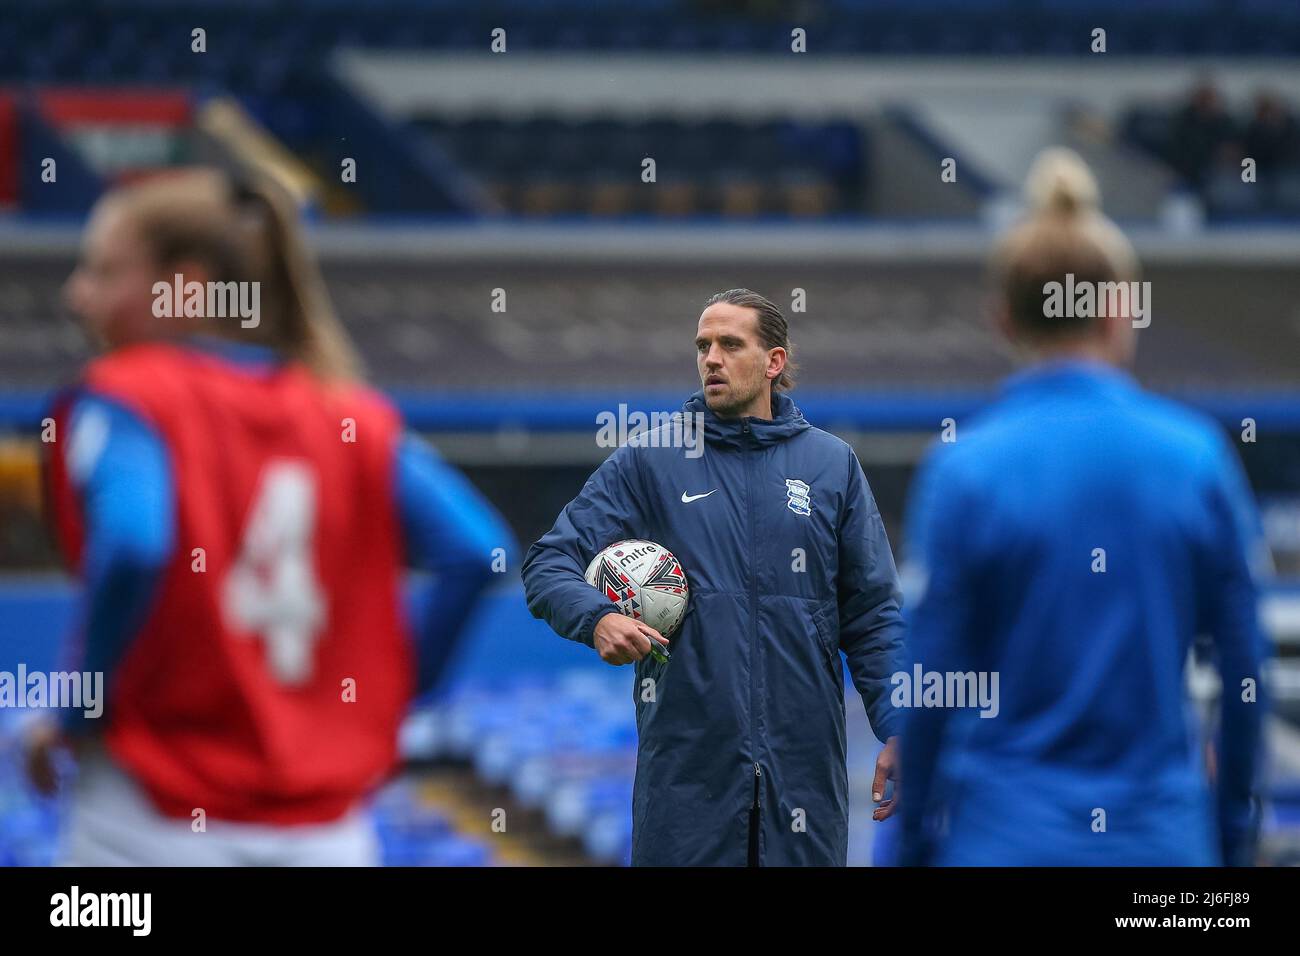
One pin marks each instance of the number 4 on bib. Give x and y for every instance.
(271, 592)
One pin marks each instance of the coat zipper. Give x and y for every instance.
(753, 624)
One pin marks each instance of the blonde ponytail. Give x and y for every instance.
(308, 328)
(245, 229)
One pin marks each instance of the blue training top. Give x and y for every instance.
(1074, 540)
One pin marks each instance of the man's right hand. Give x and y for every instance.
(621, 640)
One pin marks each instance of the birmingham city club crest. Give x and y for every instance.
(800, 496)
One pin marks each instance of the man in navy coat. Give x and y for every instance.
(741, 756)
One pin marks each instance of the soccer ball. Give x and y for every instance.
(644, 580)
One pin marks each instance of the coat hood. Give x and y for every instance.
(786, 422)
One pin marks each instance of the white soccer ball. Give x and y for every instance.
(645, 580)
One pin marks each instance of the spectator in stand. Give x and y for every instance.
(1201, 134)
(1272, 137)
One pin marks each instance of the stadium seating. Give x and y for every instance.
(277, 58)
(553, 167)
(66, 39)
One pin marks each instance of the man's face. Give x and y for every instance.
(735, 368)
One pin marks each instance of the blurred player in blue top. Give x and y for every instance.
(1073, 541)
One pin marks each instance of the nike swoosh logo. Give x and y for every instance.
(687, 499)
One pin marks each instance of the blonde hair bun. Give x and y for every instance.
(1060, 183)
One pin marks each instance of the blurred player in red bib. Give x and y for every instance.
(240, 510)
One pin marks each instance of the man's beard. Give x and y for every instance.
(733, 404)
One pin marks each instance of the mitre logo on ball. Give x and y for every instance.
(645, 580)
